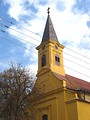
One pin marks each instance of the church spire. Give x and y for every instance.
(49, 32)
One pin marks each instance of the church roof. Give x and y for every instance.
(74, 83)
(49, 32)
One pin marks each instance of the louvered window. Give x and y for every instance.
(57, 59)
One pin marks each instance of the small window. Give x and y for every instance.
(57, 60)
(45, 117)
(43, 60)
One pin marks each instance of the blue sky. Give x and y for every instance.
(22, 24)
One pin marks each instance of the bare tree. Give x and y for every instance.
(16, 85)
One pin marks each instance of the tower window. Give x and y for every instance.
(43, 60)
(45, 117)
(57, 60)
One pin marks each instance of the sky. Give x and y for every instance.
(22, 23)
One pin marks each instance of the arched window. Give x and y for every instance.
(45, 117)
(57, 59)
(43, 60)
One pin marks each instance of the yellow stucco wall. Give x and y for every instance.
(71, 110)
(83, 109)
(47, 106)
(52, 97)
(47, 82)
(52, 105)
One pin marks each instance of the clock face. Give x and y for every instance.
(56, 47)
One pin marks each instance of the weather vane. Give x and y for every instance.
(48, 10)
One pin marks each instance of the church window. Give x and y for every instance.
(43, 60)
(44, 117)
(57, 59)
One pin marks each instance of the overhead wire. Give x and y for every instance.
(76, 63)
(36, 45)
(77, 53)
(36, 53)
(12, 23)
(36, 40)
(77, 71)
(19, 38)
(17, 44)
(40, 36)
(76, 58)
(6, 26)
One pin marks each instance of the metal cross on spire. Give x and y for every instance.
(48, 10)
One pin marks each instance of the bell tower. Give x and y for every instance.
(50, 62)
(50, 51)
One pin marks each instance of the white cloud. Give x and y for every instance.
(17, 8)
(33, 67)
(69, 27)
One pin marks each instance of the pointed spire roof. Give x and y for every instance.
(49, 32)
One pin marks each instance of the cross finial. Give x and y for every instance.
(48, 10)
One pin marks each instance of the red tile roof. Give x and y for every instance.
(74, 83)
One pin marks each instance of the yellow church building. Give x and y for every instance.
(63, 97)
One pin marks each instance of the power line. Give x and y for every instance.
(6, 26)
(36, 39)
(76, 63)
(12, 23)
(77, 53)
(77, 71)
(19, 38)
(36, 53)
(64, 58)
(40, 36)
(17, 44)
(77, 58)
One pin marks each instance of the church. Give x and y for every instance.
(64, 97)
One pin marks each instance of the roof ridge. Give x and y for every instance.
(78, 78)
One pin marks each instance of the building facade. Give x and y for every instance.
(63, 97)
